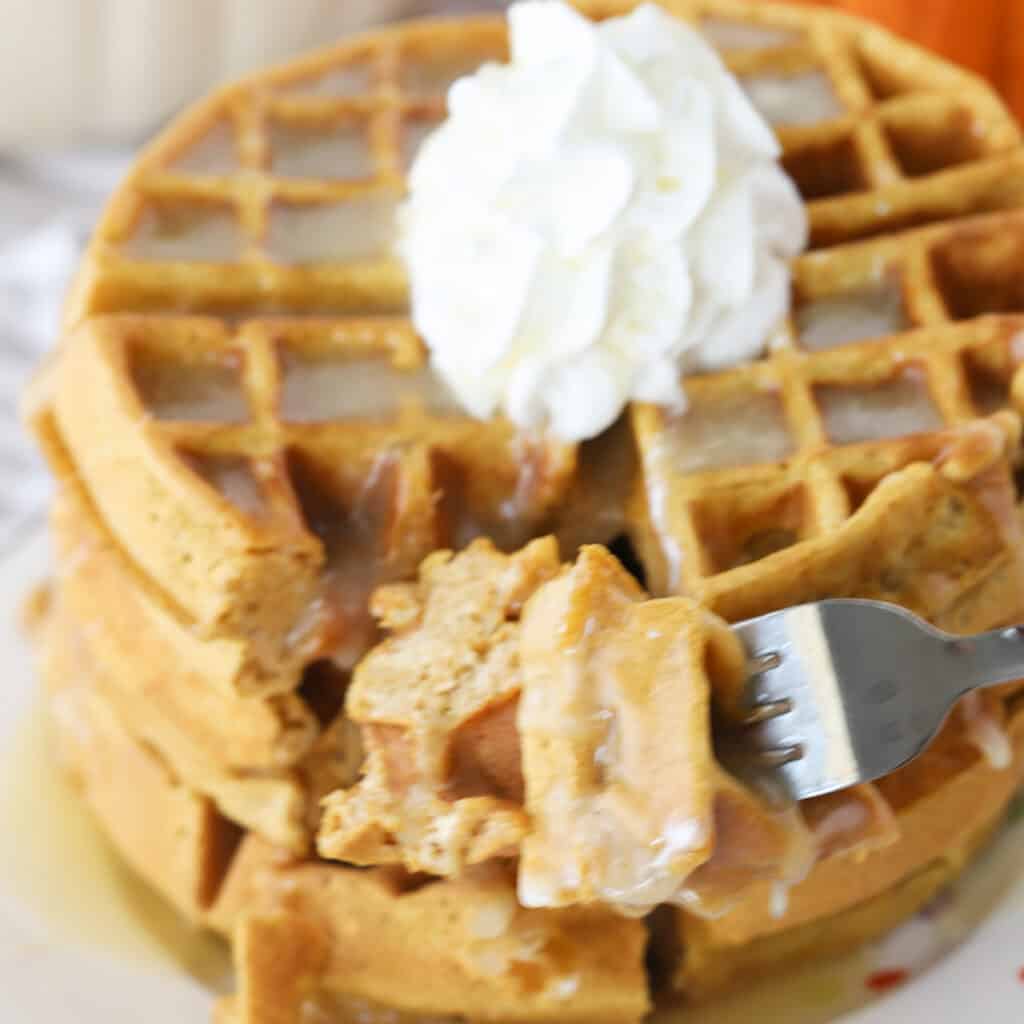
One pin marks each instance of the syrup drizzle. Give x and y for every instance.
(64, 870)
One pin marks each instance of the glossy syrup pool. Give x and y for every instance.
(807, 98)
(63, 868)
(326, 389)
(361, 229)
(852, 316)
(899, 407)
(185, 232)
(341, 151)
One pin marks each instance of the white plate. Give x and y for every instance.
(81, 942)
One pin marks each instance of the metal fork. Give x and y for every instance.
(846, 691)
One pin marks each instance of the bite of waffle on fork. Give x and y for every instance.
(249, 441)
(520, 708)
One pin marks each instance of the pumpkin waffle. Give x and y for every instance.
(771, 456)
(291, 919)
(173, 837)
(279, 193)
(479, 955)
(249, 442)
(901, 136)
(269, 476)
(294, 929)
(265, 762)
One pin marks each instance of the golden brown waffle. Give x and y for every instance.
(265, 762)
(170, 835)
(774, 455)
(279, 193)
(294, 925)
(478, 955)
(947, 805)
(267, 478)
(742, 942)
(234, 487)
(904, 139)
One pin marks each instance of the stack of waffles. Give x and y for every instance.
(357, 755)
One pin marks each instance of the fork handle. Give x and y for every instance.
(988, 659)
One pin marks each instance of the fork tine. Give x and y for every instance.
(778, 757)
(765, 662)
(767, 710)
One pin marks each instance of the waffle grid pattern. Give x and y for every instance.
(819, 414)
(875, 140)
(281, 463)
(291, 410)
(904, 336)
(810, 429)
(788, 449)
(328, 443)
(293, 180)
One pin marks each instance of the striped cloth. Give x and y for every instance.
(47, 208)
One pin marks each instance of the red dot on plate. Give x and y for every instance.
(1020, 975)
(884, 981)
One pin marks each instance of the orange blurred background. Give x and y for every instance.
(986, 36)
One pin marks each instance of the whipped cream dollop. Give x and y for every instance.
(595, 219)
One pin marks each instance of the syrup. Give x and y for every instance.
(63, 869)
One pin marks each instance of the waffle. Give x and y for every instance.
(173, 837)
(905, 136)
(278, 194)
(282, 911)
(227, 468)
(265, 762)
(250, 442)
(775, 455)
(476, 948)
(947, 806)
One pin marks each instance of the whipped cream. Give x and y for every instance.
(594, 219)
